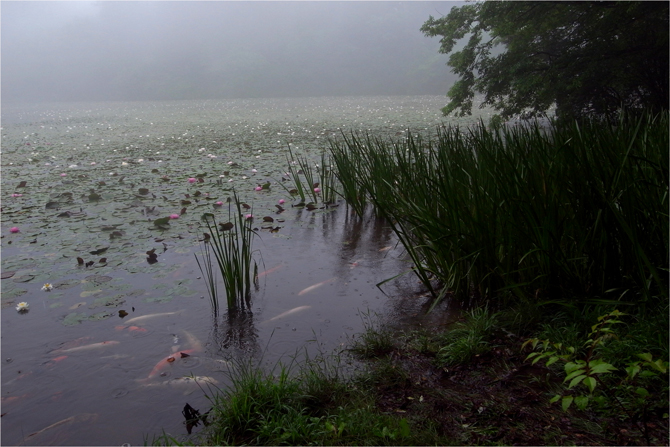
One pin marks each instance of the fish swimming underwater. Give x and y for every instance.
(161, 365)
(315, 286)
(287, 313)
(150, 316)
(93, 346)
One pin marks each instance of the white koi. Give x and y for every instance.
(90, 347)
(288, 312)
(196, 346)
(315, 286)
(150, 316)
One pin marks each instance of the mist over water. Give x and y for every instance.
(127, 51)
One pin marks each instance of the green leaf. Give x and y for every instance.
(162, 221)
(576, 381)
(581, 402)
(567, 401)
(632, 370)
(642, 392)
(555, 398)
(590, 382)
(552, 360)
(573, 374)
(646, 356)
(600, 367)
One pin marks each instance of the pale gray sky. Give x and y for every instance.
(61, 51)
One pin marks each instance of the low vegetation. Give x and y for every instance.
(544, 234)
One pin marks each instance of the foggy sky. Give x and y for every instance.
(91, 51)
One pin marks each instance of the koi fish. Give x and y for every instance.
(315, 286)
(166, 361)
(150, 316)
(196, 346)
(83, 417)
(9, 399)
(268, 271)
(53, 361)
(288, 312)
(90, 347)
(131, 328)
(185, 381)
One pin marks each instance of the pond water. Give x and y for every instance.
(88, 180)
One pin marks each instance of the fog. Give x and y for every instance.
(99, 51)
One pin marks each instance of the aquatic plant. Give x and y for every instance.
(232, 246)
(576, 212)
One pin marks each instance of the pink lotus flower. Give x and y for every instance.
(282, 201)
(174, 216)
(63, 174)
(17, 195)
(249, 216)
(317, 190)
(192, 180)
(14, 230)
(258, 188)
(219, 203)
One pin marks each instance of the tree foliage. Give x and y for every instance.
(584, 58)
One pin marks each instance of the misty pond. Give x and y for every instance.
(88, 181)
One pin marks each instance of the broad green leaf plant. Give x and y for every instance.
(584, 367)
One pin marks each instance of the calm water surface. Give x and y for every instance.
(105, 393)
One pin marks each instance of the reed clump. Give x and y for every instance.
(231, 245)
(571, 213)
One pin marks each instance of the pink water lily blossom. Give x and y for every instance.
(17, 195)
(249, 216)
(282, 201)
(317, 190)
(192, 180)
(63, 174)
(258, 188)
(14, 230)
(174, 216)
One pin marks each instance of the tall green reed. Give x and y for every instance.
(232, 246)
(567, 212)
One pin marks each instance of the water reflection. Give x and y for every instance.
(235, 334)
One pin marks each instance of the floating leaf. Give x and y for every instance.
(52, 205)
(22, 184)
(93, 197)
(123, 313)
(6, 275)
(143, 191)
(268, 219)
(80, 261)
(99, 251)
(87, 293)
(226, 226)
(185, 202)
(162, 221)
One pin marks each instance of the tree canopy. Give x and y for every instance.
(584, 58)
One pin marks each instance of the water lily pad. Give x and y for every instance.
(111, 301)
(24, 278)
(6, 274)
(87, 293)
(98, 279)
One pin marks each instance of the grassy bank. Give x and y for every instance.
(556, 239)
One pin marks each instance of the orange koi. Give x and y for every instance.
(53, 361)
(268, 271)
(131, 328)
(315, 286)
(166, 361)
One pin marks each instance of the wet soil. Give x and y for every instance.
(496, 399)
